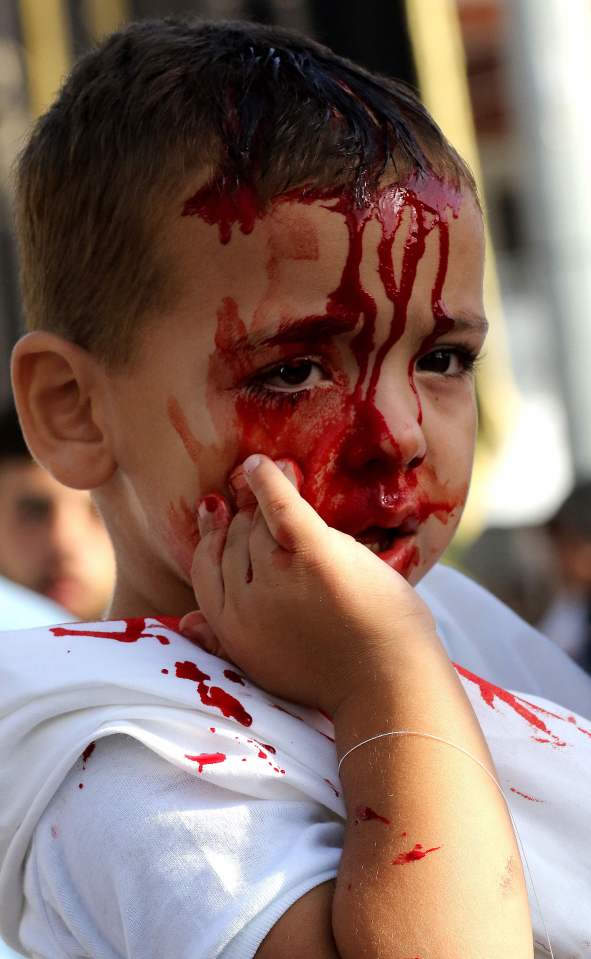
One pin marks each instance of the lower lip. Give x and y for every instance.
(402, 556)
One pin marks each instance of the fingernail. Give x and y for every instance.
(210, 512)
(251, 463)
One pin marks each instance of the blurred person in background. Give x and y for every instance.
(52, 539)
(567, 621)
(516, 564)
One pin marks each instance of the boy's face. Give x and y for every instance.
(339, 338)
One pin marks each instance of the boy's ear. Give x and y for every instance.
(59, 390)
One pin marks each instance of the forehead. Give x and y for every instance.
(284, 262)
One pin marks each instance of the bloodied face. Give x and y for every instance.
(338, 337)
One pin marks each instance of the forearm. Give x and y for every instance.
(466, 896)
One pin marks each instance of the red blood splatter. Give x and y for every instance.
(87, 753)
(365, 814)
(215, 204)
(262, 755)
(206, 759)
(135, 629)
(213, 695)
(234, 677)
(270, 749)
(333, 787)
(413, 855)
(179, 421)
(339, 435)
(80, 785)
(212, 729)
(183, 532)
(568, 719)
(524, 795)
(164, 672)
(490, 693)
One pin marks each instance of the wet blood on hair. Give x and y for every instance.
(214, 696)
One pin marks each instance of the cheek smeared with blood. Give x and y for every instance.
(354, 472)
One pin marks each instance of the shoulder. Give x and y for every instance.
(485, 636)
(150, 854)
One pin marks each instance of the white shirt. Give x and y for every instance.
(164, 855)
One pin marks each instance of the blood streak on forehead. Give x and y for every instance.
(331, 432)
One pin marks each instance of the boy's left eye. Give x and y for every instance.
(447, 362)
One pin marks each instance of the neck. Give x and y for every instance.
(162, 595)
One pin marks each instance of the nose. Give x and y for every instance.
(387, 436)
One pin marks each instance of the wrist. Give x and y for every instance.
(383, 671)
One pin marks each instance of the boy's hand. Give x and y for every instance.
(307, 612)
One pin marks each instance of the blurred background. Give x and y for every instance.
(508, 81)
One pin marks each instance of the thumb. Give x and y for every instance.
(292, 522)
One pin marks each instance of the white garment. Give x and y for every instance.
(21, 608)
(491, 640)
(161, 854)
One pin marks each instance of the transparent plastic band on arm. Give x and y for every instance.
(446, 742)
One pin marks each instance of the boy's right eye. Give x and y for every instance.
(292, 377)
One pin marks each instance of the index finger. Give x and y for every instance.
(292, 522)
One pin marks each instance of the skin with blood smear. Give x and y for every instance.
(336, 337)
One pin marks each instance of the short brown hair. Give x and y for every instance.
(160, 101)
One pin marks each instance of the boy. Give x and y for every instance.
(271, 255)
(52, 539)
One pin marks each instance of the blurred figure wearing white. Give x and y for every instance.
(21, 608)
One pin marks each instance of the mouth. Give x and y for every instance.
(382, 540)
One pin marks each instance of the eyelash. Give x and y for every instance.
(470, 360)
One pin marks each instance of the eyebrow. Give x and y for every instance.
(309, 328)
(314, 328)
(468, 324)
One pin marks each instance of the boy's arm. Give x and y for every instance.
(430, 867)
(466, 897)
